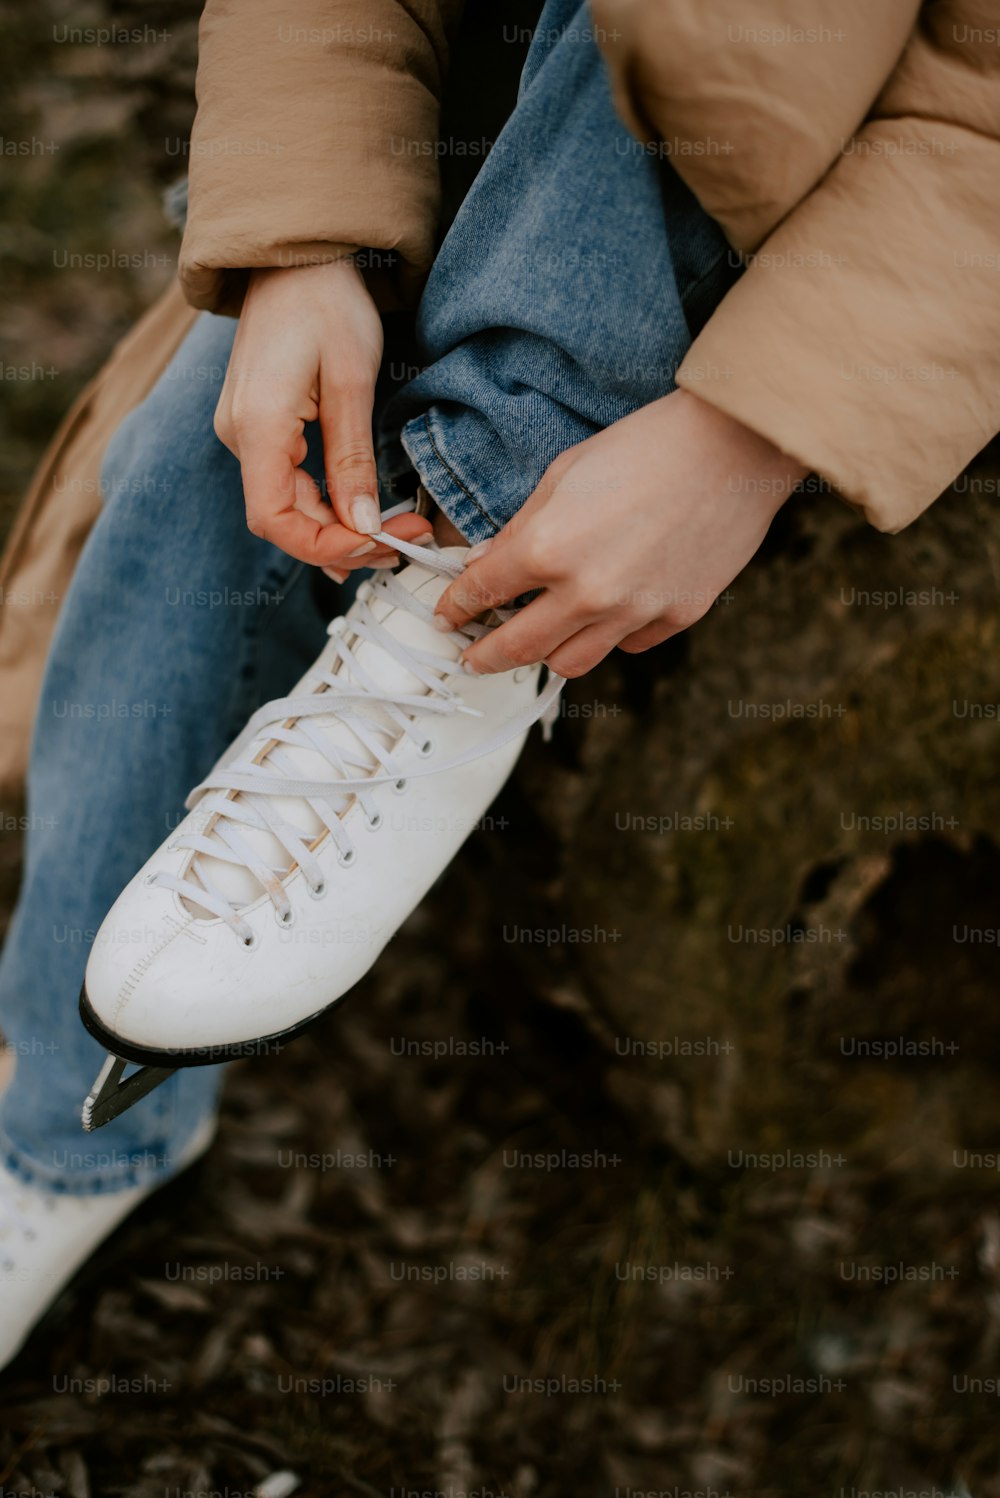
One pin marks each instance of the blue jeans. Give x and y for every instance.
(564, 296)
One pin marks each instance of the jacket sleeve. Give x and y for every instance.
(864, 335)
(315, 136)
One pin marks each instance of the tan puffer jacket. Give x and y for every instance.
(851, 152)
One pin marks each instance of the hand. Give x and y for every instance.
(631, 536)
(308, 347)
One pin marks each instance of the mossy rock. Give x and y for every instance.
(779, 849)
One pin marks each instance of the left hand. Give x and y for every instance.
(308, 349)
(631, 536)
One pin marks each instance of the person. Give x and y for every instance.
(634, 343)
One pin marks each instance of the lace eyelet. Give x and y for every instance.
(149, 879)
(399, 787)
(426, 749)
(347, 858)
(316, 891)
(374, 823)
(249, 942)
(286, 920)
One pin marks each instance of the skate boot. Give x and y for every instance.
(311, 841)
(45, 1236)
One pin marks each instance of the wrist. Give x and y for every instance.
(339, 268)
(757, 466)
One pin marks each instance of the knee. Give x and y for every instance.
(165, 451)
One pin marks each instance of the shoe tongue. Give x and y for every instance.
(234, 881)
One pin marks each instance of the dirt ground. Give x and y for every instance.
(367, 1284)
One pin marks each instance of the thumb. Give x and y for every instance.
(345, 417)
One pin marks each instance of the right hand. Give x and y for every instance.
(308, 348)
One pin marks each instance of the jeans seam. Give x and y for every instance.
(454, 476)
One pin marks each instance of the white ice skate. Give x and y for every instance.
(311, 840)
(45, 1236)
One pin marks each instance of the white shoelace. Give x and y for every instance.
(357, 771)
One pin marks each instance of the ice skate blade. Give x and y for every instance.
(110, 1095)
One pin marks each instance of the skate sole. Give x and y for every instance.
(196, 1055)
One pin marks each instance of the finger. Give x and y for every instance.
(296, 534)
(517, 560)
(584, 650)
(650, 635)
(409, 527)
(345, 416)
(490, 580)
(536, 630)
(366, 551)
(309, 500)
(413, 528)
(378, 556)
(276, 493)
(269, 453)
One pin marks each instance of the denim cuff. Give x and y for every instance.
(425, 440)
(95, 1171)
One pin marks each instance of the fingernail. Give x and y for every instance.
(363, 550)
(480, 550)
(366, 516)
(385, 562)
(424, 540)
(338, 577)
(443, 624)
(470, 668)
